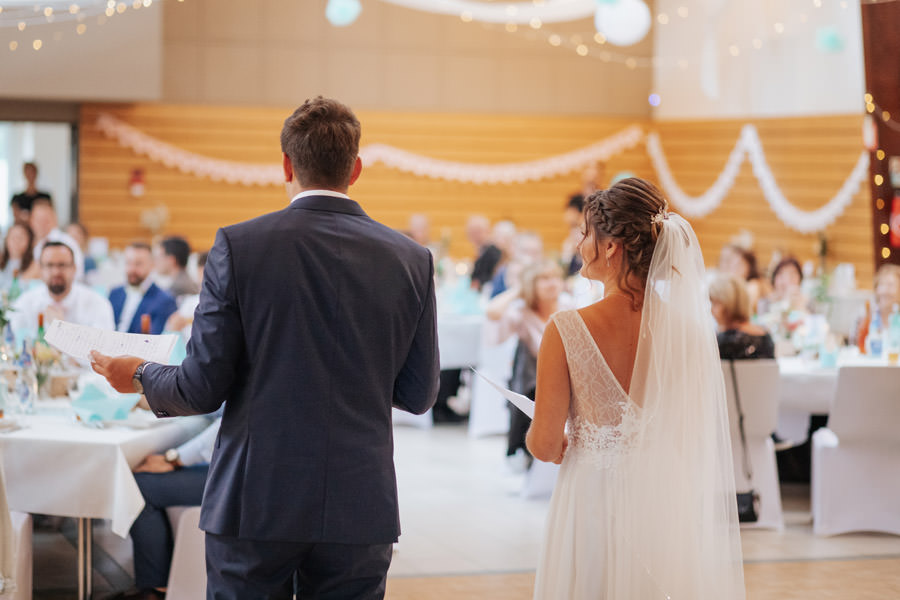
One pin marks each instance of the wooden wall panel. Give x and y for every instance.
(198, 206)
(809, 157)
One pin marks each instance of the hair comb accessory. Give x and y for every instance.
(660, 216)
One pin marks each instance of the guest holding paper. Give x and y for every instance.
(313, 322)
(61, 297)
(141, 296)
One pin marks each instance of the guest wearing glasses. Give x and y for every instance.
(141, 296)
(61, 297)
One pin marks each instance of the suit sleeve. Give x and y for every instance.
(205, 378)
(416, 386)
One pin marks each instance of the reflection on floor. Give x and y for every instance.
(468, 534)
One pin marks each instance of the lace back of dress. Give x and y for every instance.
(600, 412)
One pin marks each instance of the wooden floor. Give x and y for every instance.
(863, 579)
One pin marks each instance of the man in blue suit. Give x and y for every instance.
(141, 296)
(313, 321)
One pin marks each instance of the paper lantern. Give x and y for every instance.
(342, 13)
(622, 22)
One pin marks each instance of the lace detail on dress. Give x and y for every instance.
(602, 419)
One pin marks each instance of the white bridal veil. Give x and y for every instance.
(675, 526)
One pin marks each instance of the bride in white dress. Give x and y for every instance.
(630, 399)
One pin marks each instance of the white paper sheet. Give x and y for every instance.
(526, 405)
(78, 341)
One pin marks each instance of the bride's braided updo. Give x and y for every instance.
(630, 212)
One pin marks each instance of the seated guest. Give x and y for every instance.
(738, 338)
(524, 310)
(61, 297)
(18, 255)
(887, 290)
(487, 254)
(79, 233)
(45, 226)
(175, 478)
(527, 248)
(141, 296)
(182, 319)
(573, 217)
(742, 264)
(786, 291)
(172, 256)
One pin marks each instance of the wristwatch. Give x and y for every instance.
(171, 456)
(136, 378)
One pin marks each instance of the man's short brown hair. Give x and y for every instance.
(321, 139)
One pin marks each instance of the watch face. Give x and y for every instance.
(171, 455)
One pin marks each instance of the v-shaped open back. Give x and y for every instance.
(597, 396)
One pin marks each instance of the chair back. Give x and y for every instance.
(757, 381)
(867, 405)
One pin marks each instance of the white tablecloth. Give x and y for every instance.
(807, 388)
(55, 466)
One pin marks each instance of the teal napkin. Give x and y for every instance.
(93, 402)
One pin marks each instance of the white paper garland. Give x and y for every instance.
(748, 144)
(521, 13)
(402, 160)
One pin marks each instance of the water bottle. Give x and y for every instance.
(876, 335)
(26, 382)
(893, 336)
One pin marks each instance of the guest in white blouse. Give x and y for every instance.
(61, 297)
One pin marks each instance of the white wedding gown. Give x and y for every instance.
(644, 506)
(602, 420)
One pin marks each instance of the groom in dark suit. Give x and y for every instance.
(313, 321)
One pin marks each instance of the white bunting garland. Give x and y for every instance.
(749, 144)
(522, 13)
(402, 160)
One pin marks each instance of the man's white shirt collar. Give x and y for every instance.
(331, 193)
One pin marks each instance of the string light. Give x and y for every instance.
(880, 154)
(879, 179)
(879, 204)
(885, 228)
(885, 116)
(885, 253)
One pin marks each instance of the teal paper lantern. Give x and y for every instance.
(829, 39)
(342, 13)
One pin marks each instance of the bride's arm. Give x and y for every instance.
(546, 438)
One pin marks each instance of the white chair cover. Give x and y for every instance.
(22, 529)
(187, 575)
(856, 460)
(758, 387)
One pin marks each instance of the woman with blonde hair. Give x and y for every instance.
(631, 401)
(524, 311)
(737, 337)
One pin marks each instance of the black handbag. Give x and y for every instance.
(747, 502)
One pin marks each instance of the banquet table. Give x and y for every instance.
(57, 466)
(459, 340)
(808, 388)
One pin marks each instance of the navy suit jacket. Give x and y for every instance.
(313, 321)
(158, 303)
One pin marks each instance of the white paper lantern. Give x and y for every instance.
(622, 22)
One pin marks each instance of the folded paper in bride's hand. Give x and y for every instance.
(79, 340)
(526, 405)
